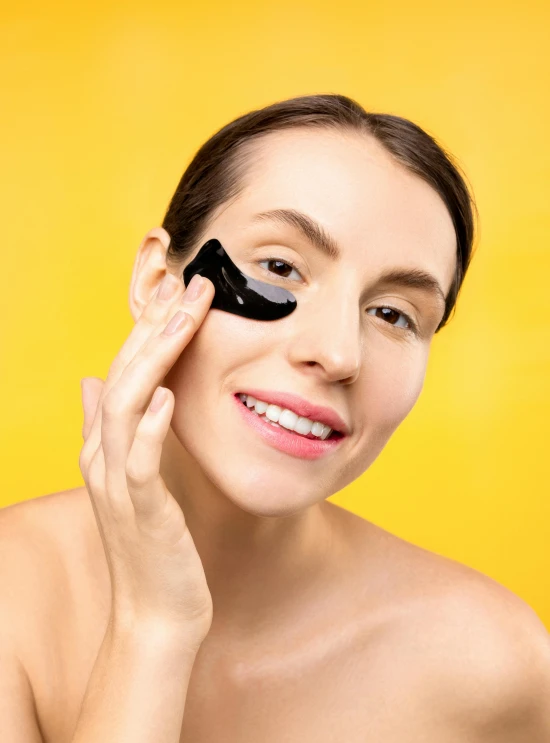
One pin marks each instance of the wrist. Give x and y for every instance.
(156, 633)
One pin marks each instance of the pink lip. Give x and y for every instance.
(302, 407)
(283, 439)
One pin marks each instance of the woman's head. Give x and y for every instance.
(217, 173)
(378, 226)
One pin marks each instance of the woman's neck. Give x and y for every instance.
(261, 571)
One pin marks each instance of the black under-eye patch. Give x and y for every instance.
(235, 291)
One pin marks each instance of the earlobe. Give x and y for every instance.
(149, 269)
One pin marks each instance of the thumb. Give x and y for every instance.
(91, 392)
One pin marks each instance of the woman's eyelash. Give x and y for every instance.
(286, 262)
(413, 327)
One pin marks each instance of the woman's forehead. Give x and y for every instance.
(349, 178)
(354, 189)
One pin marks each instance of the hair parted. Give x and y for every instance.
(215, 175)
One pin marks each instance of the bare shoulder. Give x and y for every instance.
(41, 528)
(483, 651)
(46, 548)
(44, 543)
(52, 508)
(494, 653)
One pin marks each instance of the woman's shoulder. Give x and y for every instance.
(54, 599)
(37, 534)
(413, 580)
(47, 544)
(489, 650)
(32, 531)
(481, 649)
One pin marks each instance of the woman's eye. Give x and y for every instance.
(389, 314)
(392, 316)
(280, 268)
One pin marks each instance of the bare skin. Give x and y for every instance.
(325, 627)
(390, 655)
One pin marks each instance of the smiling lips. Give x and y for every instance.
(286, 418)
(287, 441)
(301, 407)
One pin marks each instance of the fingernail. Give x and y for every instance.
(195, 288)
(158, 400)
(168, 287)
(176, 322)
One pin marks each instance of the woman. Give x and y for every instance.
(201, 587)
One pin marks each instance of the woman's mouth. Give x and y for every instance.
(304, 446)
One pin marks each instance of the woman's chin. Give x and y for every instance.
(259, 481)
(261, 494)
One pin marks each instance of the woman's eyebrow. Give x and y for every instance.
(316, 234)
(310, 229)
(415, 278)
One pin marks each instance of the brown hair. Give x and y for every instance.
(215, 174)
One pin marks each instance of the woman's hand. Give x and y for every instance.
(156, 573)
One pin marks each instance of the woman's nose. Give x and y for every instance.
(329, 339)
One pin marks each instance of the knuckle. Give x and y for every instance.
(139, 472)
(148, 318)
(113, 405)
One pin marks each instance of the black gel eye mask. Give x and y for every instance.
(235, 291)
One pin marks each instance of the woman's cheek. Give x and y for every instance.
(387, 394)
(192, 373)
(400, 389)
(218, 356)
(403, 383)
(228, 350)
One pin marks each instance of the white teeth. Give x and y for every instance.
(326, 433)
(317, 428)
(261, 407)
(287, 418)
(303, 426)
(273, 412)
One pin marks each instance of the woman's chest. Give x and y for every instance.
(339, 682)
(325, 692)
(344, 696)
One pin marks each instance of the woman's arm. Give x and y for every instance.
(138, 687)
(18, 721)
(161, 607)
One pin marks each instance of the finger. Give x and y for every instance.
(154, 315)
(151, 320)
(111, 509)
(145, 485)
(125, 404)
(91, 391)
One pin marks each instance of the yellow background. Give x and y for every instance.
(103, 106)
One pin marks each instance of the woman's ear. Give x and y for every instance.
(149, 269)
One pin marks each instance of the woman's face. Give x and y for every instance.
(339, 348)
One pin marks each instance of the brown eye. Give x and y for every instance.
(388, 314)
(391, 316)
(279, 268)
